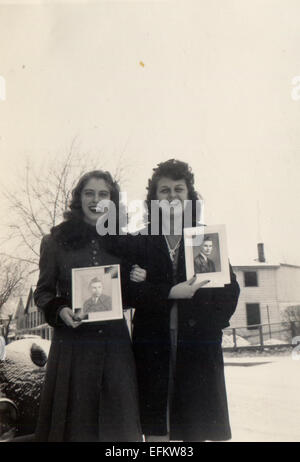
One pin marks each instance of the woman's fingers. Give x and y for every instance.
(69, 318)
(200, 284)
(137, 278)
(137, 268)
(192, 280)
(137, 274)
(77, 318)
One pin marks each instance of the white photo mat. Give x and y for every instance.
(193, 239)
(85, 281)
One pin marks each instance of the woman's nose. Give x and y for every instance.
(172, 195)
(93, 198)
(99, 198)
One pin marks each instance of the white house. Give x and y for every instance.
(267, 288)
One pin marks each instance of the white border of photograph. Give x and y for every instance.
(219, 277)
(81, 276)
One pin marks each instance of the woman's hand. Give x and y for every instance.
(69, 318)
(186, 289)
(137, 274)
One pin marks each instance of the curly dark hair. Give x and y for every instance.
(176, 170)
(75, 207)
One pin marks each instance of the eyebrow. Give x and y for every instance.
(93, 190)
(177, 184)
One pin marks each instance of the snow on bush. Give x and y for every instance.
(21, 379)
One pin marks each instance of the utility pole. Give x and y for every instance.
(269, 321)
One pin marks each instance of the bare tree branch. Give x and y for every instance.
(43, 195)
(11, 279)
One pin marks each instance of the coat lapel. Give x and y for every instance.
(159, 242)
(181, 271)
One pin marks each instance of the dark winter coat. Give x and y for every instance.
(199, 411)
(90, 391)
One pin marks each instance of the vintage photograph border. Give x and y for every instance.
(218, 278)
(116, 312)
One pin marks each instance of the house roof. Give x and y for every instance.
(257, 264)
(30, 295)
(20, 308)
(290, 266)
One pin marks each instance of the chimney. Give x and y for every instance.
(261, 252)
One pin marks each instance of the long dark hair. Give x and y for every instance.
(175, 170)
(75, 207)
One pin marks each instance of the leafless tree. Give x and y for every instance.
(42, 196)
(11, 282)
(291, 320)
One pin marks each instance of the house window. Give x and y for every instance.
(253, 315)
(250, 279)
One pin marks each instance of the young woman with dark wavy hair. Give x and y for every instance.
(178, 326)
(90, 391)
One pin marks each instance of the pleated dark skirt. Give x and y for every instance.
(90, 390)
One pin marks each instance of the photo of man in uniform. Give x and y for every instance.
(98, 301)
(202, 262)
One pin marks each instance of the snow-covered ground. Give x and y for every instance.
(264, 398)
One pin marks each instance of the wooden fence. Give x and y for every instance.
(259, 335)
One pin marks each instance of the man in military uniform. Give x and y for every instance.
(98, 301)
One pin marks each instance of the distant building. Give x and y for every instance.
(34, 317)
(30, 319)
(20, 315)
(266, 290)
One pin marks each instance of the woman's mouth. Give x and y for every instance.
(175, 203)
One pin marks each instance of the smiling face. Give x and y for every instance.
(95, 190)
(172, 190)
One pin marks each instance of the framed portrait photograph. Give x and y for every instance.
(206, 254)
(96, 293)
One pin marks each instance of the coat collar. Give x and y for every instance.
(74, 234)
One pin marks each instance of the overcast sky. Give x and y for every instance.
(214, 90)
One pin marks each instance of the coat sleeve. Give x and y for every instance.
(136, 294)
(224, 301)
(146, 293)
(45, 294)
(140, 294)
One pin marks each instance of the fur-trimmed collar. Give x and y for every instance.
(74, 233)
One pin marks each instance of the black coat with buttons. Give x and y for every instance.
(199, 408)
(90, 390)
